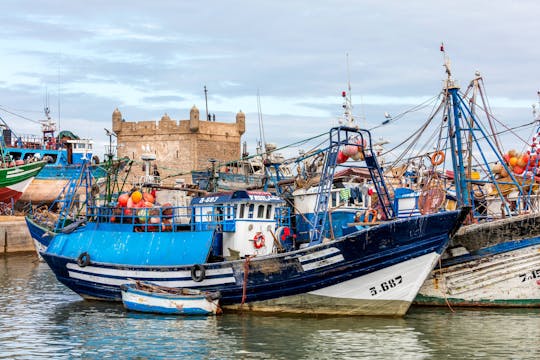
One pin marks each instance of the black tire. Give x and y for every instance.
(201, 270)
(83, 259)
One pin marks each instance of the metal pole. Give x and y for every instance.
(206, 101)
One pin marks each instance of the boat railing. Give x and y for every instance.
(175, 218)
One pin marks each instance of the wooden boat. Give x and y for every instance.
(493, 261)
(148, 297)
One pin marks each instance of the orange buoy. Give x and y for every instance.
(136, 196)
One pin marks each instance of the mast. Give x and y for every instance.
(458, 111)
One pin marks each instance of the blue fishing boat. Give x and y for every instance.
(242, 244)
(147, 297)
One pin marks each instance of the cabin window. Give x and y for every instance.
(260, 212)
(241, 212)
(231, 211)
(269, 211)
(15, 155)
(250, 211)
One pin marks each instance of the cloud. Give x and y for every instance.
(151, 58)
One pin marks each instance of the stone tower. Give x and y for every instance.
(180, 146)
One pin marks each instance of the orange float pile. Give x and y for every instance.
(519, 163)
(354, 151)
(142, 205)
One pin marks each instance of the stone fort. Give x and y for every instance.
(180, 146)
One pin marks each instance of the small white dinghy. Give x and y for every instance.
(152, 298)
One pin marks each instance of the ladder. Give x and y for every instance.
(68, 196)
(340, 136)
(376, 173)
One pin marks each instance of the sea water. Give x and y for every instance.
(40, 318)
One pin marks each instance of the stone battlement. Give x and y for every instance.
(180, 145)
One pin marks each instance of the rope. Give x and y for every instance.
(22, 117)
(244, 285)
(444, 292)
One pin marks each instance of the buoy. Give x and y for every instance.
(513, 161)
(341, 158)
(148, 197)
(136, 196)
(123, 200)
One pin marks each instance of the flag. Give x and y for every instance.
(442, 47)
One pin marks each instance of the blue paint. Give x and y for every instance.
(134, 248)
(133, 306)
(491, 250)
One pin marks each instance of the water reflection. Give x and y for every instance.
(40, 317)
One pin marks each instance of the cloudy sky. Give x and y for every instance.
(153, 57)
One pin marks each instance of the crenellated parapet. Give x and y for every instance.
(180, 145)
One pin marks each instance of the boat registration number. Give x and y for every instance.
(534, 274)
(386, 285)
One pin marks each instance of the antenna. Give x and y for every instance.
(349, 78)
(261, 125)
(348, 118)
(58, 96)
(206, 101)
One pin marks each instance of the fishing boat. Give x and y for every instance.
(63, 153)
(147, 297)
(262, 171)
(494, 260)
(15, 177)
(241, 243)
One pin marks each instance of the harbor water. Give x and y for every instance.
(40, 318)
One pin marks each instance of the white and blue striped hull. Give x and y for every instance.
(142, 301)
(377, 271)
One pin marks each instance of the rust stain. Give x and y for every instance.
(267, 267)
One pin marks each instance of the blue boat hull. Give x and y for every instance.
(143, 299)
(390, 261)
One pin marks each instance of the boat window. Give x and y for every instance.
(260, 212)
(241, 212)
(231, 211)
(269, 211)
(250, 211)
(15, 154)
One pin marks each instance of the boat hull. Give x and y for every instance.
(376, 271)
(52, 180)
(14, 181)
(143, 301)
(499, 279)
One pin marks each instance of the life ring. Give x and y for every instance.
(437, 158)
(373, 214)
(83, 259)
(258, 240)
(198, 268)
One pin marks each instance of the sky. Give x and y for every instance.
(148, 58)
